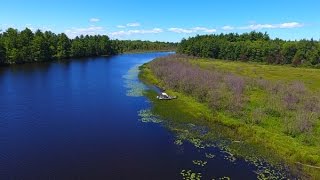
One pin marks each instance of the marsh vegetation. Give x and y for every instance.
(280, 115)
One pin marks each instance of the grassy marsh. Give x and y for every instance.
(259, 124)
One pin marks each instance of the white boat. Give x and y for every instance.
(165, 96)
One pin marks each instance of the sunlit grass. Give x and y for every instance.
(310, 77)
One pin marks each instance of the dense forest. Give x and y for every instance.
(253, 46)
(27, 46)
(122, 46)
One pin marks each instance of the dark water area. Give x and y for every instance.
(75, 120)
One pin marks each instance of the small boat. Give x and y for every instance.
(165, 96)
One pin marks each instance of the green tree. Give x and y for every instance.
(2, 51)
(63, 47)
(77, 48)
(52, 40)
(298, 58)
(40, 47)
(11, 45)
(25, 41)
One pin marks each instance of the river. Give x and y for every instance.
(81, 119)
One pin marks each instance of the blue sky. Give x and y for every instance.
(165, 20)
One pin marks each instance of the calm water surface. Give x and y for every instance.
(75, 120)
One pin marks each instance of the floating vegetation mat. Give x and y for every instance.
(225, 149)
(198, 143)
(178, 142)
(222, 178)
(134, 87)
(146, 116)
(199, 162)
(189, 175)
(209, 155)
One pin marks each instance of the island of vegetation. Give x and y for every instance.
(248, 95)
(26, 46)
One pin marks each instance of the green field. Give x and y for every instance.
(271, 135)
(309, 76)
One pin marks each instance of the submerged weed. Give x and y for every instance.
(209, 155)
(199, 162)
(134, 87)
(198, 143)
(147, 116)
(178, 142)
(189, 175)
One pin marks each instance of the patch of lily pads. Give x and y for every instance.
(134, 87)
(190, 175)
(178, 142)
(199, 162)
(198, 143)
(209, 155)
(222, 178)
(147, 116)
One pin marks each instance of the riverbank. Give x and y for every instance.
(249, 117)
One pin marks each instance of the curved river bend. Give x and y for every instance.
(80, 120)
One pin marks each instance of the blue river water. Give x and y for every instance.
(79, 119)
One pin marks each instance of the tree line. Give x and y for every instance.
(122, 46)
(253, 46)
(28, 46)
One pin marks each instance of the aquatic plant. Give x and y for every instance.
(134, 87)
(209, 155)
(198, 143)
(189, 175)
(199, 162)
(147, 116)
(178, 142)
(222, 178)
(230, 157)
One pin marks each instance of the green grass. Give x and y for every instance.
(268, 136)
(311, 77)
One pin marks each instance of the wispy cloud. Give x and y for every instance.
(121, 26)
(180, 30)
(93, 20)
(291, 25)
(287, 25)
(134, 24)
(92, 30)
(192, 30)
(132, 32)
(227, 28)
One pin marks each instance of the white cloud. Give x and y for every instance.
(121, 26)
(94, 20)
(227, 28)
(180, 30)
(132, 32)
(291, 25)
(287, 25)
(92, 30)
(192, 30)
(135, 24)
(203, 29)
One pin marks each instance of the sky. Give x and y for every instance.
(165, 20)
